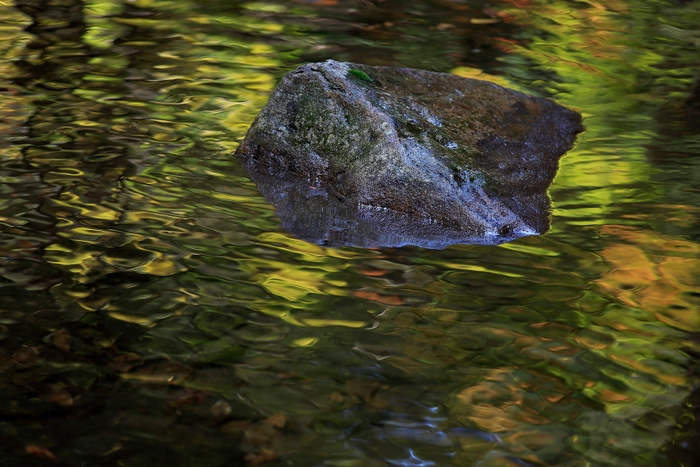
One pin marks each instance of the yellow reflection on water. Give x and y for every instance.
(305, 342)
(322, 323)
(476, 73)
(477, 268)
(142, 320)
(160, 267)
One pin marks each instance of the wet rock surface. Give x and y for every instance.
(351, 154)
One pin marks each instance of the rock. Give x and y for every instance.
(360, 155)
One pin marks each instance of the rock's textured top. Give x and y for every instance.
(383, 156)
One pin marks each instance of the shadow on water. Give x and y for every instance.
(153, 312)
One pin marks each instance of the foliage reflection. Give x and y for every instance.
(152, 312)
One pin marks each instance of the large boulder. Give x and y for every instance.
(382, 156)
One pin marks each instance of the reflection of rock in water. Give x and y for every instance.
(312, 215)
(380, 156)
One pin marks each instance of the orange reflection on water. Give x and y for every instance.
(511, 403)
(394, 300)
(654, 273)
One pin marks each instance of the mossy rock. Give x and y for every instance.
(383, 156)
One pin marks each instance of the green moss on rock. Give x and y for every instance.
(361, 75)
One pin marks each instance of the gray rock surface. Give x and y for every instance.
(353, 154)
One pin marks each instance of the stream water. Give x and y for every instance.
(154, 313)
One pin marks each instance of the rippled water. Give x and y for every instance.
(153, 312)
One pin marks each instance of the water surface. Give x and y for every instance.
(154, 312)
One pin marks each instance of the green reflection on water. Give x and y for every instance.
(628, 66)
(153, 313)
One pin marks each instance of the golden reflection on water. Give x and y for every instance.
(654, 273)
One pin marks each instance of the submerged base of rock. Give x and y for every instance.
(378, 156)
(317, 218)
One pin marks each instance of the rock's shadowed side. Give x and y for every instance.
(383, 156)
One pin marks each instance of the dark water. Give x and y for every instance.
(153, 312)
